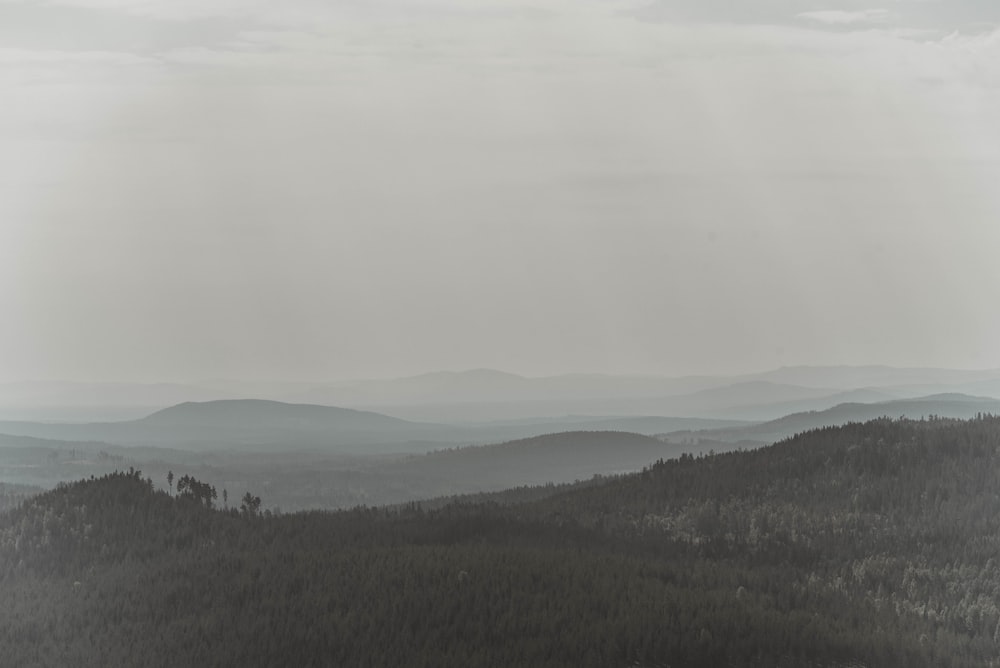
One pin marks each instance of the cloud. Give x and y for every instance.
(181, 10)
(20, 67)
(842, 18)
(56, 57)
(974, 59)
(967, 16)
(444, 157)
(302, 13)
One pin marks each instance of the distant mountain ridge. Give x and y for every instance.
(267, 424)
(242, 423)
(257, 413)
(551, 458)
(337, 457)
(260, 424)
(484, 395)
(949, 405)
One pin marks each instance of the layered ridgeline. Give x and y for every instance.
(484, 395)
(308, 456)
(246, 424)
(257, 425)
(254, 425)
(315, 480)
(864, 545)
(558, 458)
(959, 406)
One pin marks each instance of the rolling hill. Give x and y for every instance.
(484, 395)
(943, 405)
(261, 425)
(870, 544)
(552, 458)
(246, 424)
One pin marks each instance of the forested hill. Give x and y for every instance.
(956, 406)
(558, 458)
(868, 545)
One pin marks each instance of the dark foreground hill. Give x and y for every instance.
(865, 545)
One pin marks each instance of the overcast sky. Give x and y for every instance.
(329, 189)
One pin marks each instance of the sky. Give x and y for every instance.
(310, 190)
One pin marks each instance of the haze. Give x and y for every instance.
(305, 190)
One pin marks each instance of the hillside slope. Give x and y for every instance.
(870, 545)
(957, 406)
(556, 458)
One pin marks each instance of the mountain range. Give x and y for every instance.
(260, 425)
(957, 406)
(486, 395)
(310, 456)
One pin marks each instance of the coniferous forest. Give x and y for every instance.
(874, 544)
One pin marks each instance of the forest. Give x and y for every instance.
(870, 544)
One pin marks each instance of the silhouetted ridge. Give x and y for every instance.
(244, 413)
(556, 458)
(244, 423)
(955, 406)
(567, 442)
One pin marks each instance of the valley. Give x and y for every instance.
(309, 456)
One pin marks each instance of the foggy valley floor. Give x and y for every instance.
(869, 544)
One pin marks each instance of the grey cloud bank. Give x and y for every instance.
(340, 190)
(961, 15)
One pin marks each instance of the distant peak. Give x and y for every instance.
(257, 411)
